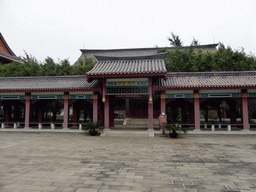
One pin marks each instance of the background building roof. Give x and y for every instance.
(138, 51)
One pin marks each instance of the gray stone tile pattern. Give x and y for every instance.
(76, 162)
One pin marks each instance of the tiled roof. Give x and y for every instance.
(139, 51)
(47, 83)
(6, 45)
(10, 58)
(192, 80)
(118, 66)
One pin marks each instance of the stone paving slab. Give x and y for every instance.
(73, 161)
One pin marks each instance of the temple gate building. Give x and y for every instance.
(129, 86)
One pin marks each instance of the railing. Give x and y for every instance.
(56, 125)
(213, 126)
(221, 126)
(44, 125)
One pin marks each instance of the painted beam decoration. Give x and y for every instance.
(127, 86)
(37, 97)
(80, 96)
(127, 83)
(209, 95)
(12, 97)
(127, 90)
(178, 96)
(220, 95)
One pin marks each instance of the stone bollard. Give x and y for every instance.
(15, 126)
(52, 126)
(2, 126)
(213, 128)
(219, 125)
(18, 124)
(80, 126)
(229, 127)
(40, 126)
(205, 125)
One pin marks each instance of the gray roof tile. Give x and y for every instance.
(129, 65)
(47, 82)
(195, 80)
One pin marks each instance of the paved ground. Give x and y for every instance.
(75, 162)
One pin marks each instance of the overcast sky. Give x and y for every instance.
(59, 28)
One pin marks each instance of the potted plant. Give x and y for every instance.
(174, 130)
(93, 127)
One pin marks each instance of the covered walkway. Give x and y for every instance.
(132, 87)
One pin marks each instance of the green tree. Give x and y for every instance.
(49, 68)
(65, 68)
(195, 42)
(83, 65)
(224, 59)
(175, 40)
(13, 70)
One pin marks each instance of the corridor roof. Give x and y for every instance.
(207, 80)
(51, 83)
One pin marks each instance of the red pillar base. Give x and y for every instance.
(106, 113)
(66, 111)
(245, 112)
(197, 110)
(27, 111)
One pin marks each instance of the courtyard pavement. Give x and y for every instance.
(43, 161)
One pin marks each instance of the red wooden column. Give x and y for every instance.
(150, 104)
(245, 114)
(95, 107)
(27, 110)
(105, 100)
(163, 111)
(197, 110)
(163, 103)
(106, 113)
(66, 110)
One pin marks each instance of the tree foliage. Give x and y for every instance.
(83, 65)
(224, 59)
(195, 42)
(175, 40)
(178, 60)
(32, 67)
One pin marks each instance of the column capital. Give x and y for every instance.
(196, 95)
(95, 96)
(162, 95)
(66, 95)
(244, 95)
